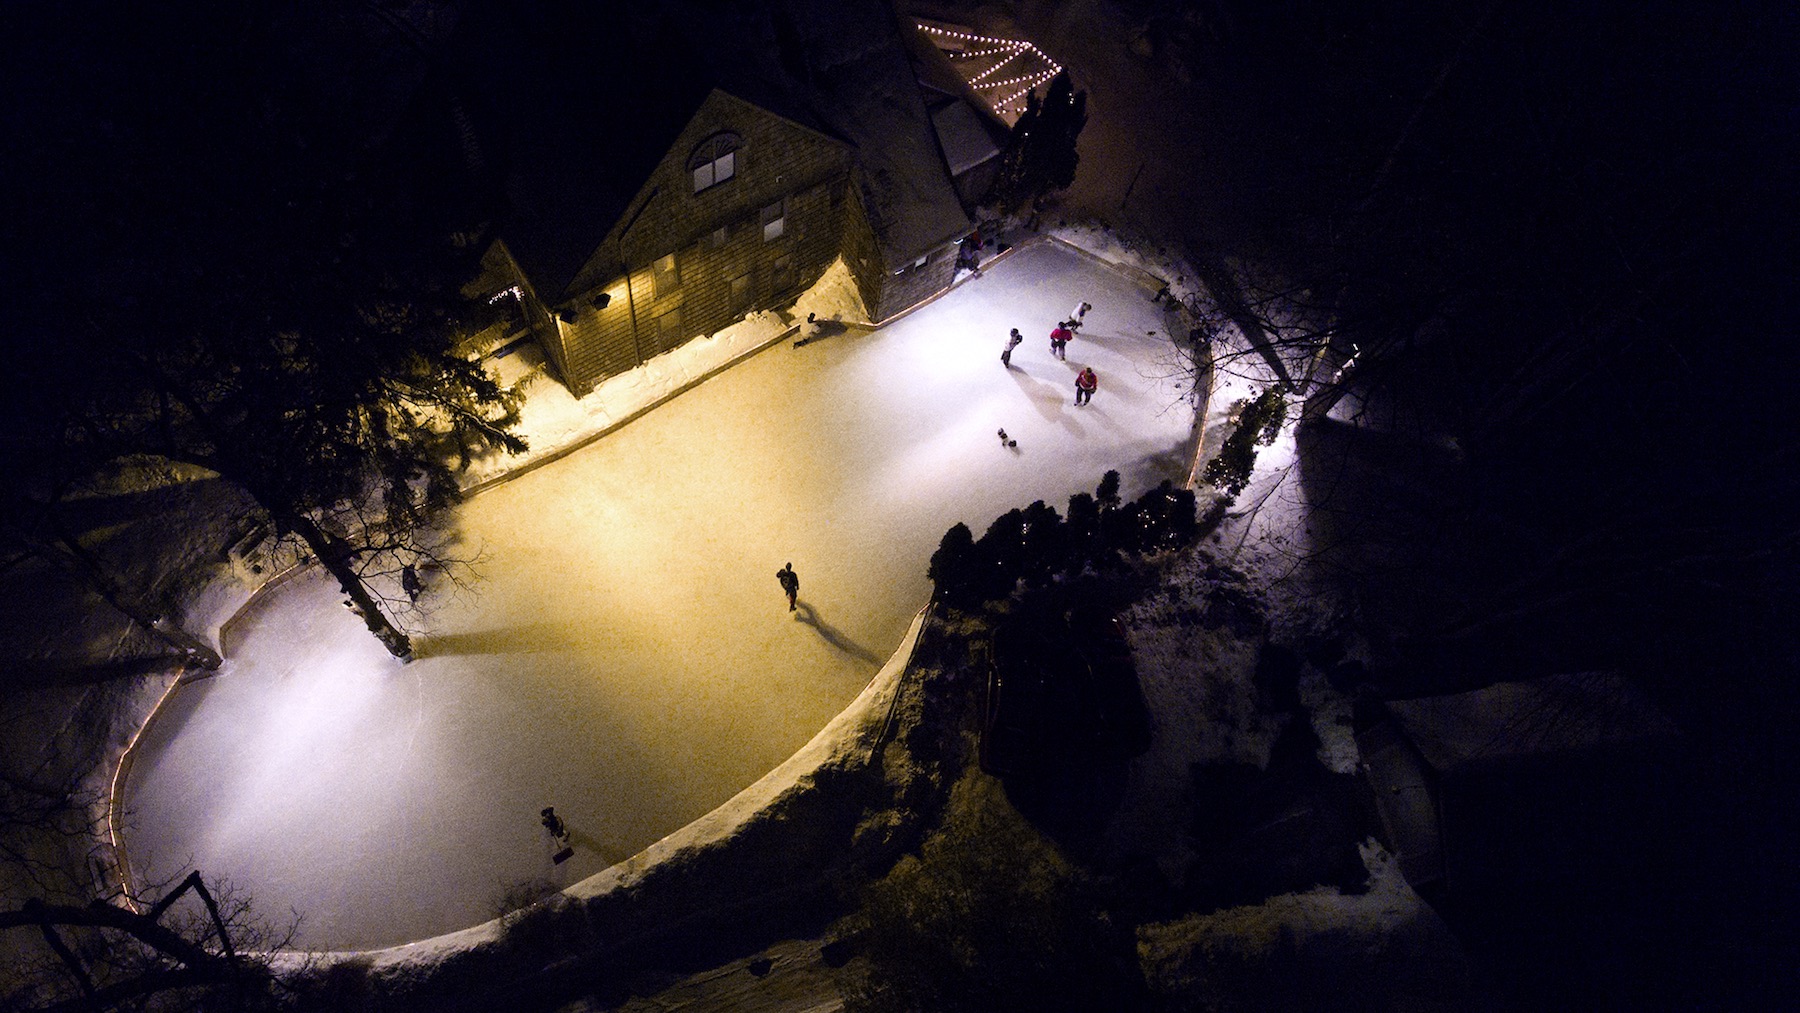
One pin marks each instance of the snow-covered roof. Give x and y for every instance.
(587, 99)
(968, 131)
(1507, 721)
(857, 79)
(965, 137)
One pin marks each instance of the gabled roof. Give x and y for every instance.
(969, 132)
(578, 114)
(584, 100)
(1509, 721)
(865, 88)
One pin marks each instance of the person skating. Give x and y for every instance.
(790, 582)
(1077, 318)
(559, 830)
(1012, 342)
(554, 823)
(1059, 341)
(1085, 385)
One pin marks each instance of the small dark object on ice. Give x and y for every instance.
(562, 856)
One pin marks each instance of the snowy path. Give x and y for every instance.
(627, 656)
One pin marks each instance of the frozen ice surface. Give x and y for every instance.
(628, 656)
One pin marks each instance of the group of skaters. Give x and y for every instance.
(1086, 381)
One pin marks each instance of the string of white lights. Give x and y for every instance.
(975, 82)
(991, 40)
(1014, 50)
(1021, 93)
(970, 54)
(1035, 79)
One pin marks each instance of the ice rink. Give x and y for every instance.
(627, 655)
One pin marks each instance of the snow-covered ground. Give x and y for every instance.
(626, 655)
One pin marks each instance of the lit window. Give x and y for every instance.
(774, 221)
(664, 277)
(714, 161)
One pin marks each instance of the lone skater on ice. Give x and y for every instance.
(1085, 385)
(1012, 342)
(559, 830)
(554, 823)
(790, 582)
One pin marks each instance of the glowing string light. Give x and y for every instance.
(970, 54)
(978, 78)
(1010, 50)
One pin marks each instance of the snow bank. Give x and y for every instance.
(1322, 949)
(554, 422)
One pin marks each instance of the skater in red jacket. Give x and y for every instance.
(1059, 340)
(1085, 385)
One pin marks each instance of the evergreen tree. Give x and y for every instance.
(1040, 154)
(1259, 423)
(1045, 542)
(1083, 523)
(272, 292)
(989, 916)
(1107, 492)
(1001, 551)
(952, 565)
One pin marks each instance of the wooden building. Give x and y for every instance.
(668, 168)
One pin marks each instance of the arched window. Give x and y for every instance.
(714, 160)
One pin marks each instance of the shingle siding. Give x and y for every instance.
(777, 161)
(915, 283)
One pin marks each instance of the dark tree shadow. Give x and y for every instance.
(1046, 397)
(833, 636)
(526, 638)
(1073, 807)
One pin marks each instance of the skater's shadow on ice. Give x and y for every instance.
(609, 855)
(822, 329)
(1046, 397)
(831, 635)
